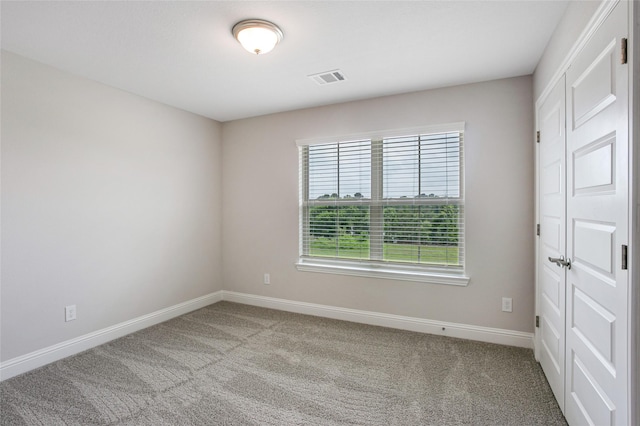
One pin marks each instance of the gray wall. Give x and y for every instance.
(260, 204)
(109, 201)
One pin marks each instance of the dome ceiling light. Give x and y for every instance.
(257, 36)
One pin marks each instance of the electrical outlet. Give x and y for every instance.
(267, 279)
(69, 313)
(507, 304)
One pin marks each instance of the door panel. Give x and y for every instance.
(597, 226)
(594, 167)
(552, 179)
(594, 89)
(551, 291)
(589, 398)
(552, 345)
(595, 324)
(593, 245)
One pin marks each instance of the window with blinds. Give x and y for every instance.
(388, 200)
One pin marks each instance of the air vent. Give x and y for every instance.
(328, 77)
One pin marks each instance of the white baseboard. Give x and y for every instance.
(41, 357)
(463, 331)
(45, 356)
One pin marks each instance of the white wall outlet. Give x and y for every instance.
(69, 313)
(267, 279)
(507, 304)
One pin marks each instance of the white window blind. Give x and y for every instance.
(386, 200)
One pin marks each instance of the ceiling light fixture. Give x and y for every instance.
(257, 36)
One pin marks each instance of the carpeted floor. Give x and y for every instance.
(231, 364)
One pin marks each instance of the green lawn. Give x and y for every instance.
(410, 253)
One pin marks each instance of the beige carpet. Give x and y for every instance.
(231, 364)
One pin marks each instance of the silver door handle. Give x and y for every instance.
(560, 261)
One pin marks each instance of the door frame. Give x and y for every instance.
(634, 206)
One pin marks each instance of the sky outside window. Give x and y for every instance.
(349, 176)
(413, 166)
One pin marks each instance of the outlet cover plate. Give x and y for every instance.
(69, 313)
(507, 304)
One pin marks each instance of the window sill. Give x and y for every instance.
(374, 270)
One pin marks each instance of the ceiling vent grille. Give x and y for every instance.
(328, 77)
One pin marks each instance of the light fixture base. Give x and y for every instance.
(257, 35)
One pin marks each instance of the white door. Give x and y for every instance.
(552, 205)
(596, 358)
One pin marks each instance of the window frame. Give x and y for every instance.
(375, 266)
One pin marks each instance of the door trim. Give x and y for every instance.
(634, 214)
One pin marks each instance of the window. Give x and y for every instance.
(385, 205)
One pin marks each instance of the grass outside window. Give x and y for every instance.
(347, 247)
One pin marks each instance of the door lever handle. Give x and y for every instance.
(561, 262)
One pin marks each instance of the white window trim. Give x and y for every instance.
(394, 271)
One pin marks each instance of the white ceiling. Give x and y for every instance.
(182, 53)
